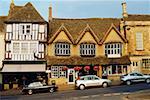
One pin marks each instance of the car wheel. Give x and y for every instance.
(82, 87)
(128, 82)
(105, 84)
(30, 92)
(147, 80)
(51, 90)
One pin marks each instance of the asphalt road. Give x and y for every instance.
(113, 93)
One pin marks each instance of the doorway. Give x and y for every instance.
(71, 76)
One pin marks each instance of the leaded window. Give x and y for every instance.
(87, 49)
(62, 49)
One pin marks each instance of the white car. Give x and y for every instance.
(135, 77)
(91, 80)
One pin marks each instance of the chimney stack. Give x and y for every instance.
(124, 10)
(50, 13)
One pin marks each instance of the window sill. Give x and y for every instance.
(87, 55)
(62, 55)
(139, 49)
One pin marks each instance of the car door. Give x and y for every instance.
(132, 77)
(88, 81)
(140, 77)
(96, 81)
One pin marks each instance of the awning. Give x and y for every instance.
(24, 68)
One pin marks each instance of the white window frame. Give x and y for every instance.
(87, 49)
(62, 49)
(139, 41)
(57, 72)
(25, 29)
(113, 49)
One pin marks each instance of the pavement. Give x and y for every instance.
(140, 95)
(63, 87)
(139, 91)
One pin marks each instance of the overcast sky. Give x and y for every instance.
(82, 8)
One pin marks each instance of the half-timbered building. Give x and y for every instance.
(25, 45)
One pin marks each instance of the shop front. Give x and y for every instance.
(18, 75)
(68, 74)
(67, 70)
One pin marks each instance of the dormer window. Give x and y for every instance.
(113, 49)
(87, 49)
(62, 49)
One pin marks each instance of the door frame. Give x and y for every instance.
(71, 69)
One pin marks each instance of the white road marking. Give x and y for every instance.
(107, 94)
(84, 97)
(95, 95)
(126, 93)
(116, 93)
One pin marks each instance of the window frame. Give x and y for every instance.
(24, 31)
(113, 49)
(87, 49)
(62, 49)
(57, 72)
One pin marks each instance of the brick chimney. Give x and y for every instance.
(50, 13)
(124, 10)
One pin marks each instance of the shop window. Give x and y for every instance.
(116, 69)
(146, 63)
(57, 71)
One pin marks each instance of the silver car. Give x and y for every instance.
(135, 77)
(91, 80)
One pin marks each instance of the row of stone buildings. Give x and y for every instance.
(33, 49)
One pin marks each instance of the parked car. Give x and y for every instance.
(91, 80)
(135, 77)
(38, 87)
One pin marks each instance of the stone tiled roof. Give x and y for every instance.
(76, 26)
(76, 60)
(25, 13)
(2, 25)
(133, 17)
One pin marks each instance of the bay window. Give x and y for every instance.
(87, 49)
(113, 49)
(24, 50)
(62, 49)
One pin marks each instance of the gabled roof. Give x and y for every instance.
(2, 25)
(75, 27)
(25, 13)
(134, 17)
(62, 28)
(87, 29)
(109, 30)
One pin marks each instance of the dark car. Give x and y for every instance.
(38, 87)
